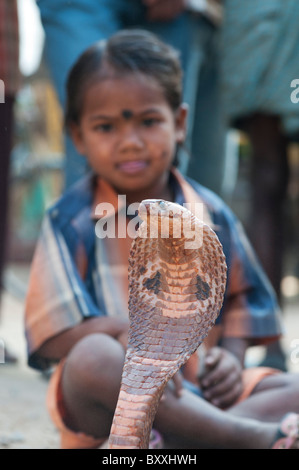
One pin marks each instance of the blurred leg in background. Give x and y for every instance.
(6, 128)
(10, 80)
(267, 223)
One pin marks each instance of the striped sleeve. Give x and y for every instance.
(57, 298)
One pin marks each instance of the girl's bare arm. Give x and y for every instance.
(59, 346)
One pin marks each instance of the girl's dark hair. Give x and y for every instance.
(127, 51)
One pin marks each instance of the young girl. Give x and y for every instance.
(125, 114)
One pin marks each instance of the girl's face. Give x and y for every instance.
(129, 133)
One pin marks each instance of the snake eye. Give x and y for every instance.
(162, 205)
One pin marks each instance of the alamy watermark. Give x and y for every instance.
(169, 227)
(295, 92)
(2, 92)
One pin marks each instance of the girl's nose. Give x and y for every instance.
(131, 139)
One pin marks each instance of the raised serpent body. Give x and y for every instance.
(175, 295)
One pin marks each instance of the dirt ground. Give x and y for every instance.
(24, 422)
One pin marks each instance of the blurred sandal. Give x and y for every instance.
(288, 433)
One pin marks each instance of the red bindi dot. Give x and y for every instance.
(127, 114)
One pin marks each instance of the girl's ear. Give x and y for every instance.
(181, 123)
(76, 135)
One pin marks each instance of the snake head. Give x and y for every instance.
(160, 208)
(163, 218)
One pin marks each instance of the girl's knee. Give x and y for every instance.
(95, 362)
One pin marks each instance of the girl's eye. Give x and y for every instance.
(150, 122)
(104, 127)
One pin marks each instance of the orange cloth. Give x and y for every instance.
(68, 439)
(252, 377)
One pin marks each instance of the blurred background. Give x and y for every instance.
(37, 154)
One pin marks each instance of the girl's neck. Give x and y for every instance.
(167, 195)
(160, 191)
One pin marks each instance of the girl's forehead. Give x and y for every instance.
(128, 80)
(124, 93)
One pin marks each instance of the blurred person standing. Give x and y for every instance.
(191, 26)
(10, 77)
(259, 61)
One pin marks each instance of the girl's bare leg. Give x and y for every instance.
(275, 396)
(91, 382)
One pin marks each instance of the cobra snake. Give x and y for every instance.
(175, 295)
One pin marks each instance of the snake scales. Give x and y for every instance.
(175, 295)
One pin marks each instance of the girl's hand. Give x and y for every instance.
(222, 380)
(163, 10)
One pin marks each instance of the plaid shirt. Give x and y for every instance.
(9, 46)
(76, 275)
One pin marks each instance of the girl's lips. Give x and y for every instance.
(132, 167)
